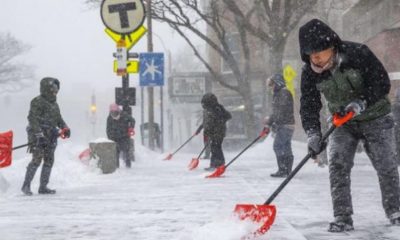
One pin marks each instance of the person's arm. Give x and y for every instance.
(310, 102)
(35, 112)
(376, 78)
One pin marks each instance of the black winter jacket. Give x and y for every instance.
(117, 130)
(316, 36)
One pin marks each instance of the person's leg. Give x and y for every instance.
(126, 152)
(379, 145)
(48, 161)
(342, 149)
(117, 152)
(283, 150)
(37, 156)
(217, 155)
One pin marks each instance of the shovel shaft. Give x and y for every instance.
(183, 144)
(21, 146)
(204, 148)
(297, 169)
(263, 133)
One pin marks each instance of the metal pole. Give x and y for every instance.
(141, 112)
(162, 118)
(150, 90)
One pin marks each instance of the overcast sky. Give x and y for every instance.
(68, 42)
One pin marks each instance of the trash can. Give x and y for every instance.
(106, 153)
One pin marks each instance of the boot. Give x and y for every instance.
(209, 169)
(342, 223)
(44, 180)
(46, 190)
(395, 219)
(30, 173)
(289, 164)
(279, 174)
(26, 189)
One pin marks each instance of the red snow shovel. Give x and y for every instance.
(169, 157)
(6, 148)
(195, 161)
(266, 213)
(220, 170)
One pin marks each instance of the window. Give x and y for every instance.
(233, 41)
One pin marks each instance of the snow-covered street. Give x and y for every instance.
(163, 200)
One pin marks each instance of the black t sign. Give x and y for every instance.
(122, 10)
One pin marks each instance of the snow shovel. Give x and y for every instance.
(6, 148)
(195, 161)
(220, 170)
(169, 157)
(266, 213)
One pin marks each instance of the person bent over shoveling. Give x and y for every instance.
(45, 121)
(351, 78)
(214, 123)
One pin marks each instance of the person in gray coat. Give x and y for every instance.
(281, 123)
(352, 79)
(396, 117)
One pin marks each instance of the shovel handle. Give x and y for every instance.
(21, 146)
(337, 121)
(297, 169)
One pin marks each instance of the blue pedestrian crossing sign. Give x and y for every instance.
(151, 69)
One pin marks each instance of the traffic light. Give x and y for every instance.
(93, 106)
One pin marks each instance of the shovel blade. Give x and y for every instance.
(169, 157)
(217, 173)
(193, 164)
(6, 149)
(264, 214)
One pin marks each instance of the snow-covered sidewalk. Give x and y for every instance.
(163, 200)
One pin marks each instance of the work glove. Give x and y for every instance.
(65, 133)
(131, 132)
(356, 106)
(315, 146)
(41, 141)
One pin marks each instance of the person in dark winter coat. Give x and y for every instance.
(206, 140)
(214, 123)
(120, 128)
(45, 125)
(281, 123)
(351, 78)
(396, 116)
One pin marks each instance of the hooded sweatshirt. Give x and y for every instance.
(356, 75)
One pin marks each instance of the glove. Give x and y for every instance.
(41, 141)
(65, 133)
(266, 122)
(356, 106)
(314, 142)
(131, 132)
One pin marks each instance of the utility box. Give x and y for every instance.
(106, 153)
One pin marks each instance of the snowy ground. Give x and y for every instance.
(163, 200)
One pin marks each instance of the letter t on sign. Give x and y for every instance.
(122, 10)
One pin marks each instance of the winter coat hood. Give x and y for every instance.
(315, 36)
(209, 100)
(49, 86)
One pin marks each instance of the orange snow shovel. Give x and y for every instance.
(195, 161)
(6, 148)
(220, 170)
(266, 213)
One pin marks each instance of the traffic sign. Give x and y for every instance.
(122, 16)
(130, 39)
(131, 66)
(151, 69)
